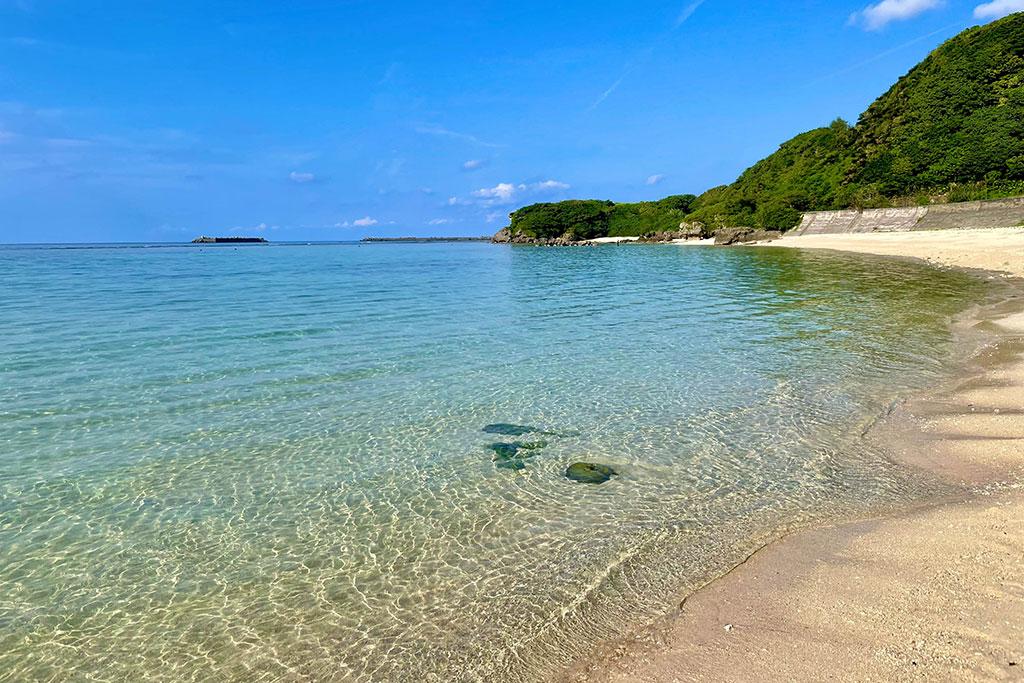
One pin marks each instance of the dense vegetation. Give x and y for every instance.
(950, 130)
(587, 219)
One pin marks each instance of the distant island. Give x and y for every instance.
(951, 130)
(426, 239)
(229, 240)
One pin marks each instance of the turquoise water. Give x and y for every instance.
(270, 463)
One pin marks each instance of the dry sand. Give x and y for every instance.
(613, 240)
(934, 594)
(1000, 249)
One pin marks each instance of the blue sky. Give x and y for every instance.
(333, 119)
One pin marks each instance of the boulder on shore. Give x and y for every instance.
(727, 236)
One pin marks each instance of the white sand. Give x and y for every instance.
(695, 243)
(613, 240)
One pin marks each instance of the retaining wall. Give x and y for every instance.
(997, 213)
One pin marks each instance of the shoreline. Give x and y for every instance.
(931, 592)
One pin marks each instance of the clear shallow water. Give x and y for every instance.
(268, 463)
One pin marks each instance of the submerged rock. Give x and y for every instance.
(511, 430)
(514, 464)
(589, 473)
(509, 456)
(504, 450)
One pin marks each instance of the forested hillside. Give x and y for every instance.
(952, 129)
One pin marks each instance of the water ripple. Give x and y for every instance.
(269, 465)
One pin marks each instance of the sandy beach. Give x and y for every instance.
(934, 593)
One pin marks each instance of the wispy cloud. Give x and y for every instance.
(441, 221)
(885, 53)
(881, 14)
(612, 88)
(683, 17)
(687, 12)
(655, 179)
(472, 165)
(441, 131)
(301, 178)
(389, 73)
(998, 9)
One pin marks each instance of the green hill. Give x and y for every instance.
(952, 129)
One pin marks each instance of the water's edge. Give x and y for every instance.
(973, 333)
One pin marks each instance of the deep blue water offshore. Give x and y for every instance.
(270, 463)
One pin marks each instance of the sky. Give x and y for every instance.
(143, 121)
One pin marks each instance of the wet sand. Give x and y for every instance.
(935, 593)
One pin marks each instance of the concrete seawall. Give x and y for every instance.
(998, 213)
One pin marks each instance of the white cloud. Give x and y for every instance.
(506, 193)
(301, 178)
(500, 193)
(440, 221)
(472, 165)
(654, 179)
(881, 14)
(390, 167)
(998, 9)
(545, 186)
(358, 223)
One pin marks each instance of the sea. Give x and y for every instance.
(347, 462)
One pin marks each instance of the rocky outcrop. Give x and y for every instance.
(686, 231)
(503, 236)
(506, 237)
(727, 236)
(692, 231)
